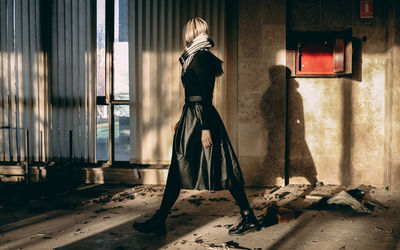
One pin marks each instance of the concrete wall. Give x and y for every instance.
(343, 130)
(261, 102)
(393, 138)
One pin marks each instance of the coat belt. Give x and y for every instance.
(196, 98)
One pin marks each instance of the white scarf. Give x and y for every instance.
(200, 42)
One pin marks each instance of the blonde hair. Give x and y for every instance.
(194, 27)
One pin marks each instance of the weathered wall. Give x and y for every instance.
(343, 130)
(261, 88)
(344, 118)
(394, 95)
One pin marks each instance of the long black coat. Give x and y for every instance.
(192, 165)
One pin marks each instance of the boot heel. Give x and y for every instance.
(156, 225)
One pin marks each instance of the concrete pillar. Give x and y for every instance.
(261, 90)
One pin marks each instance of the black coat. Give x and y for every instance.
(195, 167)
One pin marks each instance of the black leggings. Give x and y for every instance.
(172, 190)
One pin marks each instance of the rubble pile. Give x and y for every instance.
(284, 204)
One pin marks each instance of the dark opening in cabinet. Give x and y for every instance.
(320, 54)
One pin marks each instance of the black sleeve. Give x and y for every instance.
(205, 69)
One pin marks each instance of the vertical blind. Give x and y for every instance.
(24, 92)
(156, 94)
(47, 62)
(47, 80)
(73, 89)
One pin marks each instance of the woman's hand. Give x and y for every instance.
(206, 138)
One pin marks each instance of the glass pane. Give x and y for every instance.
(121, 51)
(102, 134)
(101, 47)
(122, 133)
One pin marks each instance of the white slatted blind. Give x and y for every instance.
(50, 90)
(24, 92)
(47, 86)
(73, 90)
(156, 94)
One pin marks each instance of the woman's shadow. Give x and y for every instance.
(296, 152)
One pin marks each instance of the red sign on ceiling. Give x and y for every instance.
(366, 9)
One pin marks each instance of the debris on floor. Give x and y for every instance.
(287, 203)
(344, 200)
(196, 200)
(210, 245)
(270, 190)
(102, 215)
(276, 215)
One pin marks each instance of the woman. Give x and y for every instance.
(202, 155)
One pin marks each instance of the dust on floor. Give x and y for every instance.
(101, 217)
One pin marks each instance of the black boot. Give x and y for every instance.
(248, 223)
(156, 224)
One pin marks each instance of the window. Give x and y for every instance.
(113, 118)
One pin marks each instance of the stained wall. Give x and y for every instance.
(342, 130)
(261, 90)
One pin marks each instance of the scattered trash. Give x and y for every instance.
(218, 199)
(226, 245)
(378, 203)
(281, 195)
(318, 184)
(343, 199)
(320, 205)
(199, 240)
(357, 193)
(37, 235)
(270, 190)
(313, 198)
(234, 244)
(369, 205)
(196, 201)
(276, 215)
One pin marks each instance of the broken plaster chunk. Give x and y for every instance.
(313, 198)
(345, 199)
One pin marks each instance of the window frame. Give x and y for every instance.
(108, 99)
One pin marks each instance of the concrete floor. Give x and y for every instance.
(100, 217)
